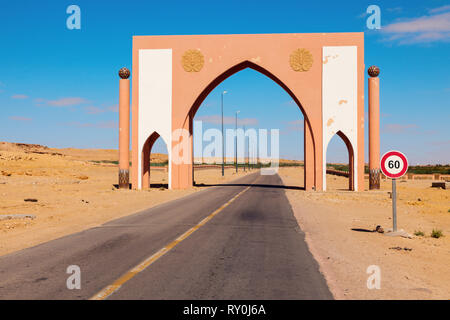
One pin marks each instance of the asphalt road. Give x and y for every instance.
(252, 248)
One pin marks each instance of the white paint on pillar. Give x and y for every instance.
(339, 100)
(155, 100)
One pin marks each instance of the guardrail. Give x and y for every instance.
(338, 173)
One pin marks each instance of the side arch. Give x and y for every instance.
(351, 162)
(145, 159)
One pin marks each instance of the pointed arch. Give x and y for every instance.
(309, 139)
(351, 161)
(235, 69)
(145, 159)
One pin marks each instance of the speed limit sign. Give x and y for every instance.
(394, 164)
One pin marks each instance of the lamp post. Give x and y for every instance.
(235, 154)
(245, 160)
(374, 128)
(223, 142)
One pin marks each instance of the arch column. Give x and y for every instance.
(182, 156)
(308, 156)
(374, 128)
(124, 129)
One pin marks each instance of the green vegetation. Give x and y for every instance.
(339, 167)
(259, 165)
(152, 164)
(106, 161)
(442, 169)
(419, 233)
(436, 233)
(289, 164)
(429, 169)
(160, 164)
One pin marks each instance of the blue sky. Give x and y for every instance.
(59, 87)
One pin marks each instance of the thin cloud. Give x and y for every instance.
(19, 96)
(93, 110)
(400, 128)
(97, 110)
(98, 125)
(113, 108)
(217, 119)
(441, 143)
(65, 102)
(440, 9)
(19, 118)
(295, 125)
(426, 29)
(395, 9)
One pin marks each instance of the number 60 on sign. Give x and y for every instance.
(394, 164)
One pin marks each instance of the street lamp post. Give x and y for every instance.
(235, 155)
(245, 160)
(223, 142)
(248, 152)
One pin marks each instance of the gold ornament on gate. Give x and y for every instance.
(301, 60)
(192, 61)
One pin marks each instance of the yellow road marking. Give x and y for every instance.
(109, 290)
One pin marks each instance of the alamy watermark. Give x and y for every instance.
(374, 280)
(251, 146)
(74, 280)
(374, 20)
(74, 20)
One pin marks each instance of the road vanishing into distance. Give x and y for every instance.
(234, 241)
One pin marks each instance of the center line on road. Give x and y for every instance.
(115, 286)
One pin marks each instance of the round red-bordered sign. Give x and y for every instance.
(394, 164)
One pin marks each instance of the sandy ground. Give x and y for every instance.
(344, 254)
(73, 193)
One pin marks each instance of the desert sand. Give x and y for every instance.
(421, 271)
(74, 190)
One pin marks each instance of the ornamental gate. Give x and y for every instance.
(172, 75)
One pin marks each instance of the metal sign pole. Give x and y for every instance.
(394, 204)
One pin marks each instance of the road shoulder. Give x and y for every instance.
(415, 268)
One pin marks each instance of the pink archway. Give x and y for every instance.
(172, 75)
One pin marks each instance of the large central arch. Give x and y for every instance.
(323, 73)
(251, 65)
